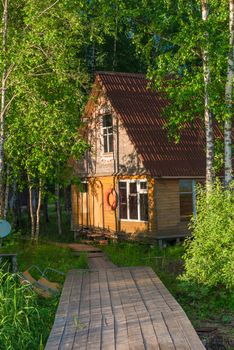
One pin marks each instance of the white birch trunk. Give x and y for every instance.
(3, 103)
(37, 229)
(228, 99)
(58, 209)
(31, 212)
(207, 113)
(6, 199)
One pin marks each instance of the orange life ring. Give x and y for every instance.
(108, 205)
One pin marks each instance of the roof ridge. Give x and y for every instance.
(136, 75)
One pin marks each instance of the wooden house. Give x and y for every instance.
(136, 182)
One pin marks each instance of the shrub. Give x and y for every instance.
(209, 257)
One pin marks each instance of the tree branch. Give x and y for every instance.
(40, 49)
(39, 74)
(48, 8)
(9, 70)
(9, 103)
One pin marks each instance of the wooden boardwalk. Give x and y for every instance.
(119, 309)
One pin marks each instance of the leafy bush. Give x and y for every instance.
(209, 257)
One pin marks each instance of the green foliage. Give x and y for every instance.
(201, 302)
(51, 50)
(172, 37)
(209, 257)
(112, 47)
(46, 91)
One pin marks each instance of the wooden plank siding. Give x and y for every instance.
(101, 217)
(164, 209)
(167, 216)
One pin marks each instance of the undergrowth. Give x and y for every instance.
(44, 255)
(26, 319)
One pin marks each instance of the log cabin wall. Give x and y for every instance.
(75, 210)
(89, 209)
(167, 202)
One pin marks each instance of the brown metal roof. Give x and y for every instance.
(141, 113)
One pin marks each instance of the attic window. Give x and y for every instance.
(107, 131)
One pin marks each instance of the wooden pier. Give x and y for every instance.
(120, 309)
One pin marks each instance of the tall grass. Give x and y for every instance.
(21, 324)
(25, 318)
(135, 254)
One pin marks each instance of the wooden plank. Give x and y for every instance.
(95, 301)
(168, 298)
(131, 299)
(165, 341)
(83, 321)
(148, 333)
(108, 333)
(140, 306)
(120, 309)
(188, 330)
(176, 332)
(84, 307)
(94, 333)
(98, 263)
(150, 294)
(105, 298)
(121, 334)
(57, 331)
(70, 328)
(80, 341)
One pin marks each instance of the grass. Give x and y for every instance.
(21, 324)
(25, 318)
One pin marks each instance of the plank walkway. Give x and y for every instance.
(112, 308)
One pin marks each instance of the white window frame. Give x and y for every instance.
(193, 195)
(139, 191)
(108, 134)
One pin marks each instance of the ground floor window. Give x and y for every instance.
(187, 199)
(133, 200)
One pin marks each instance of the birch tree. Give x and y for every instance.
(229, 99)
(3, 100)
(48, 83)
(207, 111)
(189, 41)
